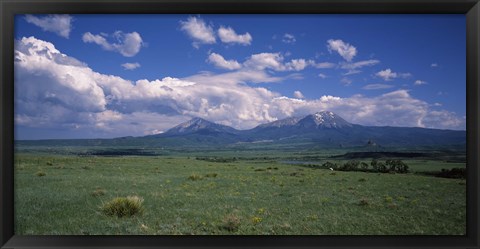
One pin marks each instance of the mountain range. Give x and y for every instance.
(322, 128)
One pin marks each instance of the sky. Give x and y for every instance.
(105, 76)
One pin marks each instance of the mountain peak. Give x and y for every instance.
(324, 119)
(199, 124)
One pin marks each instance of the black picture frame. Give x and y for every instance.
(8, 8)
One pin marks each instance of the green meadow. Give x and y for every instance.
(232, 192)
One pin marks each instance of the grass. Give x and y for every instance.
(279, 199)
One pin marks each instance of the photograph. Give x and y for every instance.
(240, 124)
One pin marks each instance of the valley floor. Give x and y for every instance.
(62, 195)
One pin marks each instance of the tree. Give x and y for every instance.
(364, 165)
(374, 164)
(381, 167)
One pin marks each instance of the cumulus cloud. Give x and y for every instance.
(127, 44)
(298, 95)
(389, 75)
(275, 61)
(131, 66)
(288, 38)
(420, 82)
(56, 91)
(59, 24)
(220, 62)
(321, 75)
(199, 31)
(344, 49)
(377, 86)
(228, 35)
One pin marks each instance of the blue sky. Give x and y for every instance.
(89, 76)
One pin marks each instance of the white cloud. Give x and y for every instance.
(199, 31)
(128, 44)
(344, 49)
(324, 65)
(296, 65)
(350, 72)
(59, 24)
(131, 66)
(275, 61)
(420, 82)
(56, 91)
(358, 64)
(352, 67)
(321, 75)
(228, 35)
(298, 95)
(376, 86)
(434, 65)
(388, 75)
(220, 62)
(288, 38)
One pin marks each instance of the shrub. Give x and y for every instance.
(329, 165)
(381, 167)
(350, 165)
(364, 166)
(195, 177)
(123, 206)
(41, 173)
(49, 163)
(453, 173)
(397, 166)
(231, 223)
(374, 164)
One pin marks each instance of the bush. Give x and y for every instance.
(374, 164)
(211, 175)
(453, 173)
(397, 166)
(350, 166)
(123, 206)
(364, 165)
(195, 177)
(329, 165)
(231, 223)
(381, 167)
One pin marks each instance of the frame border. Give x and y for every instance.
(8, 9)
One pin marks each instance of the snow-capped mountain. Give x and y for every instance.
(323, 128)
(281, 123)
(201, 125)
(323, 119)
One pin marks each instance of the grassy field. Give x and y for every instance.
(63, 194)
